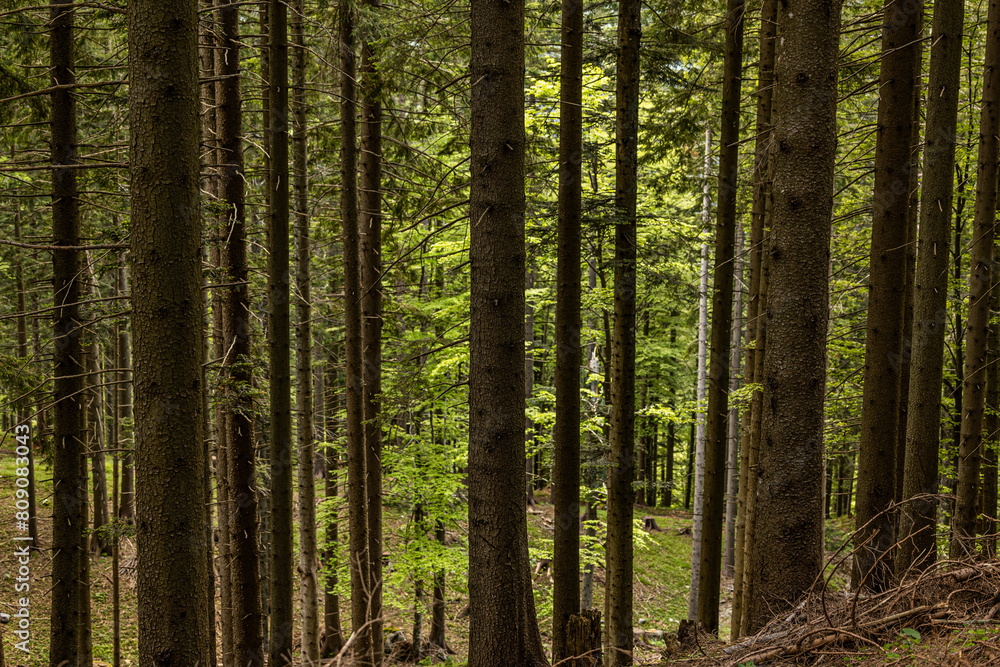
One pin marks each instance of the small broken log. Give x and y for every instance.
(583, 639)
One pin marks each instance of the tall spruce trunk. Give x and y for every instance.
(765, 95)
(370, 196)
(621, 472)
(126, 503)
(68, 517)
(733, 460)
(699, 449)
(238, 428)
(789, 506)
(333, 636)
(503, 628)
(529, 391)
(886, 296)
(918, 519)
(717, 413)
(308, 569)
(354, 427)
(566, 435)
(980, 289)
(167, 326)
(278, 335)
(990, 447)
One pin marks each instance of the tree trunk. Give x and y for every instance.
(789, 510)
(621, 471)
(438, 610)
(980, 288)
(699, 452)
(238, 428)
(529, 390)
(308, 559)
(333, 636)
(918, 519)
(503, 628)
(371, 318)
(690, 463)
(733, 460)
(887, 283)
(68, 477)
(23, 427)
(989, 508)
(717, 431)
(566, 434)
(354, 429)
(765, 95)
(279, 365)
(126, 505)
(98, 542)
(167, 325)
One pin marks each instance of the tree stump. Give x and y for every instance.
(649, 524)
(583, 639)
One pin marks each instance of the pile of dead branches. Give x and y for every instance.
(950, 594)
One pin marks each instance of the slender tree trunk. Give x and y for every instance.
(699, 452)
(789, 512)
(887, 283)
(86, 643)
(621, 472)
(167, 325)
(690, 464)
(237, 434)
(280, 571)
(980, 289)
(529, 391)
(765, 95)
(333, 636)
(503, 628)
(68, 477)
(989, 505)
(126, 507)
(717, 431)
(371, 317)
(438, 610)
(733, 460)
(354, 429)
(23, 411)
(308, 559)
(566, 435)
(98, 543)
(918, 520)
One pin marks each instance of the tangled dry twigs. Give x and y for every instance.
(951, 592)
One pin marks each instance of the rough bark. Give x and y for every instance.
(789, 505)
(716, 416)
(167, 326)
(354, 428)
(529, 390)
(333, 636)
(765, 95)
(699, 451)
(918, 519)
(566, 435)
(308, 558)
(371, 317)
(980, 288)
(278, 338)
(621, 471)
(68, 518)
(992, 421)
(237, 424)
(733, 461)
(503, 629)
(126, 503)
(887, 283)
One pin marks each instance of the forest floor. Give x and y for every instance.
(964, 636)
